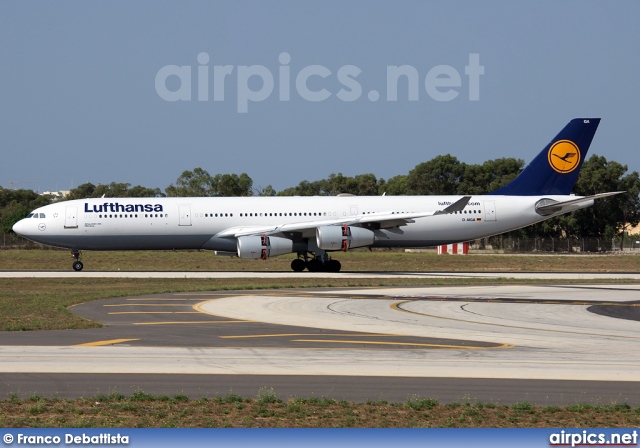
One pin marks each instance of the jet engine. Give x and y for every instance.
(263, 246)
(343, 237)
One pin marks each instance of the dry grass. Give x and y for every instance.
(268, 411)
(357, 260)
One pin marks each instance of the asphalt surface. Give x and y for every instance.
(368, 345)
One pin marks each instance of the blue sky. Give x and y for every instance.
(79, 101)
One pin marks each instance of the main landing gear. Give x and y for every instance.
(77, 264)
(319, 263)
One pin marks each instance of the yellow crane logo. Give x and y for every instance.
(564, 156)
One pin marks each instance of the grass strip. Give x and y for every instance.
(142, 410)
(356, 260)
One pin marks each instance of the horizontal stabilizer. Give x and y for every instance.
(547, 207)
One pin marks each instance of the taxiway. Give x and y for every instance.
(545, 344)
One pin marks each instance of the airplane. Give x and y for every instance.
(313, 227)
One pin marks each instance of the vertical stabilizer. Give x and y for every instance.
(555, 170)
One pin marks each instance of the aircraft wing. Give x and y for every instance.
(384, 220)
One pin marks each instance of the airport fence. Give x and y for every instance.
(500, 244)
(506, 244)
(13, 241)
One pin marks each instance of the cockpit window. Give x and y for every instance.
(42, 215)
(30, 215)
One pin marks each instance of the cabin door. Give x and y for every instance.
(185, 215)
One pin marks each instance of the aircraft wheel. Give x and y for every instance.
(298, 265)
(77, 266)
(333, 266)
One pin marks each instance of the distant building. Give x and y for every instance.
(57, 194)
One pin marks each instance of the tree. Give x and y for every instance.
(304, 188)
(396, 186)
(11, 214)
(611, 216)
(143, 192)
(360, 185)
(440, 175)
(82, 191)
(113, 190)
(266, 191)
(232, 185)
(365, 185)
(17, 204)
(196, 183)
(199, 183)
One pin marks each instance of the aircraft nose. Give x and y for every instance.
(20, 227)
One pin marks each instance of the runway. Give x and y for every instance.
(555, 276)
(545, 344)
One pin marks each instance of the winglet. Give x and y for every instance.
(555, 169)
(457, 206)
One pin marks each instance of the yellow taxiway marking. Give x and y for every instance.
(161, 298)
(109, 342)
(193, 323)
(148, 304)
(154, 312)
(197, 294)
(302, 334)
(415, 344)
(412, 344)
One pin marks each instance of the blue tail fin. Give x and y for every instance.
(555, 170)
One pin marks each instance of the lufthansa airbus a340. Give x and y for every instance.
(312, 227)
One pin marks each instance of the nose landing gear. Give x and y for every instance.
(77, 264)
